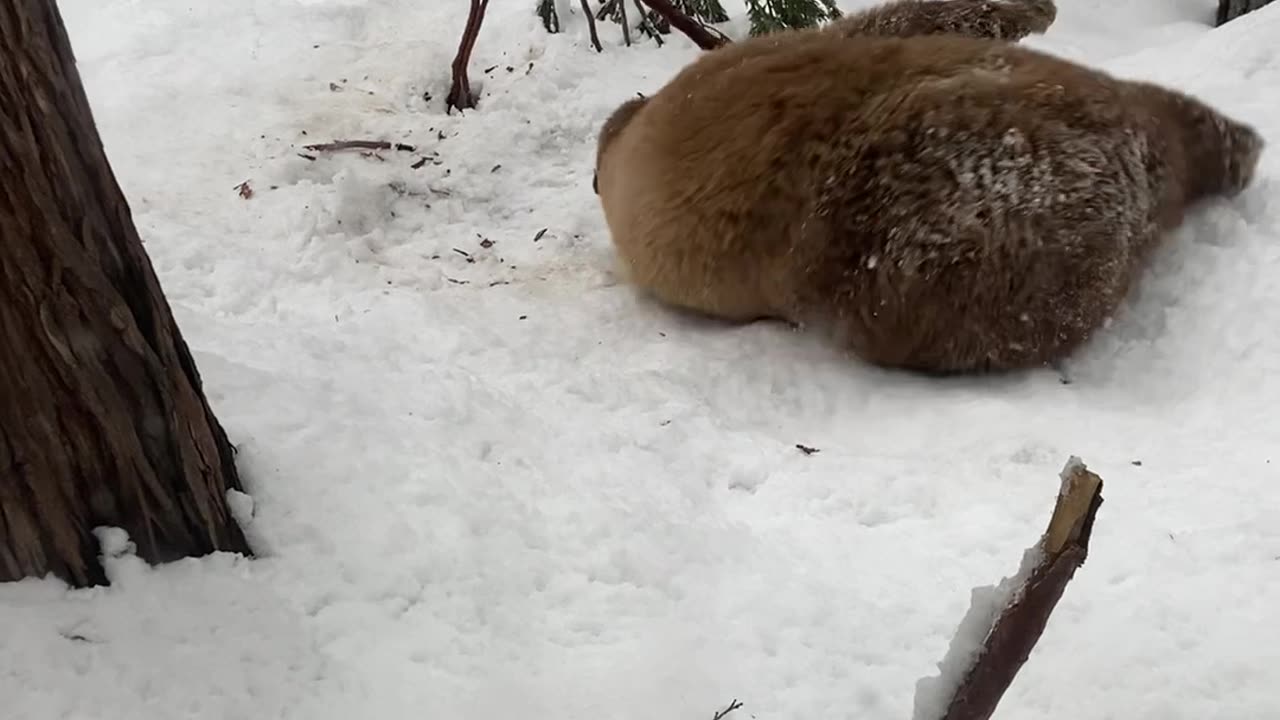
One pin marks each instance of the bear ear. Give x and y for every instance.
(640, 95)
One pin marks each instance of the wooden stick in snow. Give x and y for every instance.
(1030, 597)
(460, 96)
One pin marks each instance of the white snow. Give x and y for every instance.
(501, 485)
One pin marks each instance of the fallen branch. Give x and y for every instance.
(696, 31)
(1004, 623)
(339, 145)
(720, 714)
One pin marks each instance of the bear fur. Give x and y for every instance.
(944, 202)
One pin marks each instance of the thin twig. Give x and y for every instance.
(734, 705)
(591, 27)
(338, 145)
(622, 19)
(647, 25)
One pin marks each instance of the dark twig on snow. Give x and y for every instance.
(697, 32)
(616, 10)
(460, 96)
(339, 145)
(591, 27)
(720, 714)
(647, 25)
(550, 18)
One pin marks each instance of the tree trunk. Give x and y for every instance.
(103, 421)
(1229, 10)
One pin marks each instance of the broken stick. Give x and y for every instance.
(1004, 623)
(338, 145)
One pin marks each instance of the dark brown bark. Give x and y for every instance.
(460, 95)
(702, 37)
(103, 420)
(1018, 627)
(1229, 10)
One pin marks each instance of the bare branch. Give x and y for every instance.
(733, 705)
(697, 32)
(591, 27)
(622, 20)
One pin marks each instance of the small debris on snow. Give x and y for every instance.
(806, 449)
(245, 190)
(339, 145)
(734, 705)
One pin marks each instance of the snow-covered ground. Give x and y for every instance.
(489, 481)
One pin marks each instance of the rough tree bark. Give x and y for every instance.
(103, 420)
(1229, 10)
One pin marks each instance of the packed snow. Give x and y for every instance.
(488, 480)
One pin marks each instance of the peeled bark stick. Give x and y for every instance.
(685, 24)
(1003, 624)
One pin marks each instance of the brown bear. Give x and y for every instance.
(935, 196)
